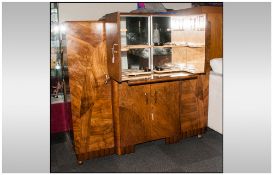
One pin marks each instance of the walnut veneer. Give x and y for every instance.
(90, 94)
(170, 110)
(112, 116)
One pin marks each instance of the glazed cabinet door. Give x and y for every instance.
(112, 30)
(134, 111)
(164, 115)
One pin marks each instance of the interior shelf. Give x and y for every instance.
(128, 47)
(168, 46)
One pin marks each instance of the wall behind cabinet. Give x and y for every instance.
(94, 11)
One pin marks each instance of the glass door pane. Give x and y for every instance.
(161, 57)
(134, 30)
(135, 45)
(136, 60)
(179, 43)
(161, 30)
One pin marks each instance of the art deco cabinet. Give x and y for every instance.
(136, 78)
(156, 63)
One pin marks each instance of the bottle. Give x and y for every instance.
(156, 35)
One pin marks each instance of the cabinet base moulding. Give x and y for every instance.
(186, 134)
(125, 150)
(193, 132)
(172, 140)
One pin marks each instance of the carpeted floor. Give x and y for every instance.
(189, 155)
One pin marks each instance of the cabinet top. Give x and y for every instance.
(172, 13)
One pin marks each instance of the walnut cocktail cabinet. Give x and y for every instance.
(136, 78)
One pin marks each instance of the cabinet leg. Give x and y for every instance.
(199, 136)
(80, 162)
(118, 150)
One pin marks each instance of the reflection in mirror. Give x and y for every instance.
(136, 59)
(161, 56)
(194, 23)
(179, 43)
(134, 30)
(161, 30)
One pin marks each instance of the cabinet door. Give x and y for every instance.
(112, 29)
(164, 116)
(189, 110)
(90, 96)
(134, 111)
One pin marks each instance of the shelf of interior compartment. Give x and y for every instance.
(170, 46)
(200, 30)
(167, 46)
(128, 47)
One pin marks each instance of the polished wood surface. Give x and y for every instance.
(203, 98)
(112, 30)
(193, 115)
(127, 149)
(215, 18)
(158, 79)
(134, 113)
(144, 113)
(116, 116)
(164, 116)
(113, 116)
(189, 114)
(127, 126)
(90, 94)
(214, 49)
(173, 139)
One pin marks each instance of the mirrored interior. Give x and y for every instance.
(134, 30)
(176, 43)
(161, 56)
(161, 30)
(135, 59)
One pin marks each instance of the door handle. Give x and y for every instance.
(114, 52)
(146, 97)
(107, 78)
